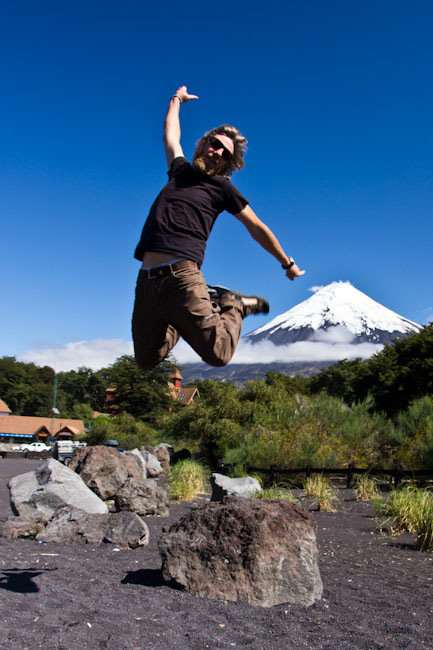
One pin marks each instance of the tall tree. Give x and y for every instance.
(142, 394)
(26, 388)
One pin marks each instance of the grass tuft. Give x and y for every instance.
(277, 493)
(321, 490)
(410, 509)
(367, 488)
(186, 480)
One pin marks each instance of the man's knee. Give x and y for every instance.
(145, 365)
(216, 360)
(146, 360)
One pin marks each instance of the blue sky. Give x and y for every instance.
(334, 97)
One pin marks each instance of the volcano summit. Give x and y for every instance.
(338, 305)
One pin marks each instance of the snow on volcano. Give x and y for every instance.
(338, 311)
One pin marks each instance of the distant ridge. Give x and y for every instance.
(239, 373)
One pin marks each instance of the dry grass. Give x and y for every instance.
(321, 490)
(367, 488)
(410, 509)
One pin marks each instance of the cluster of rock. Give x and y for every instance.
(233, 547)
(69, 504)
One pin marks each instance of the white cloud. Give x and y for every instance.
(334, 335)
(331, 345)
(96, 354)
(267, 352)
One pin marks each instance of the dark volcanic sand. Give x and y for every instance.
(377, 594)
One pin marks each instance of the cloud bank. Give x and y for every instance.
(333, 345)
(96, 354)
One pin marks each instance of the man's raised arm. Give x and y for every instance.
(172, 145)
(267, 240)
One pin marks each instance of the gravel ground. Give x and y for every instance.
(377, 594)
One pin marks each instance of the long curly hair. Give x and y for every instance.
(237, 159)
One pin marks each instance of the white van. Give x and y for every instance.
(63, 450)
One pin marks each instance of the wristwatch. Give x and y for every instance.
(289, 265)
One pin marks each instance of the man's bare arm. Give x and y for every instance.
(172, 145)
(267, 240)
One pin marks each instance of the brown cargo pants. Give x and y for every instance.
(173, 302)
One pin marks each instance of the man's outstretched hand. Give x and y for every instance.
(294, 272)
(184, 95)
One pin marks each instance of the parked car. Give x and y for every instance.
(64, 449)
(32, 446)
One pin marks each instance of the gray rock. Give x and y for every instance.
(144, 497)
(260, 551)
(139, 460)
(26, 526)
(47, 487)
(148, 448)
(223, 486)
(164, 453)
(165, 445)
(153, 466)
(103, 469)
(72, 526)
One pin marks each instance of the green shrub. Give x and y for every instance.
(186, 480)
(124, 428)
(416, 433)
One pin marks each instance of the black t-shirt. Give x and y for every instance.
(183, 214)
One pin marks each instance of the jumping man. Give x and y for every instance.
(172, 299)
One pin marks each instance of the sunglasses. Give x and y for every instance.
(217, 145)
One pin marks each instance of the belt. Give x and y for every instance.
(167, 269)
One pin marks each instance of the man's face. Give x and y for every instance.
(217, 151)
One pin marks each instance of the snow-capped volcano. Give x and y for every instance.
(338, 305)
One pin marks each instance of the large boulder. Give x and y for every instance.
(70, 525)
(47, 487)
(139, 460)
(103, 469)
(153, 466)
(223, 486)
(164, 453)
(144, 497)
(260, 551)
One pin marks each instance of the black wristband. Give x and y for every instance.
(289, 265)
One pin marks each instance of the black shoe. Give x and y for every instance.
(251, 304)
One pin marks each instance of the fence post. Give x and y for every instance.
(398, 474)
(307, 471)
(350, 474)
(273, 474)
